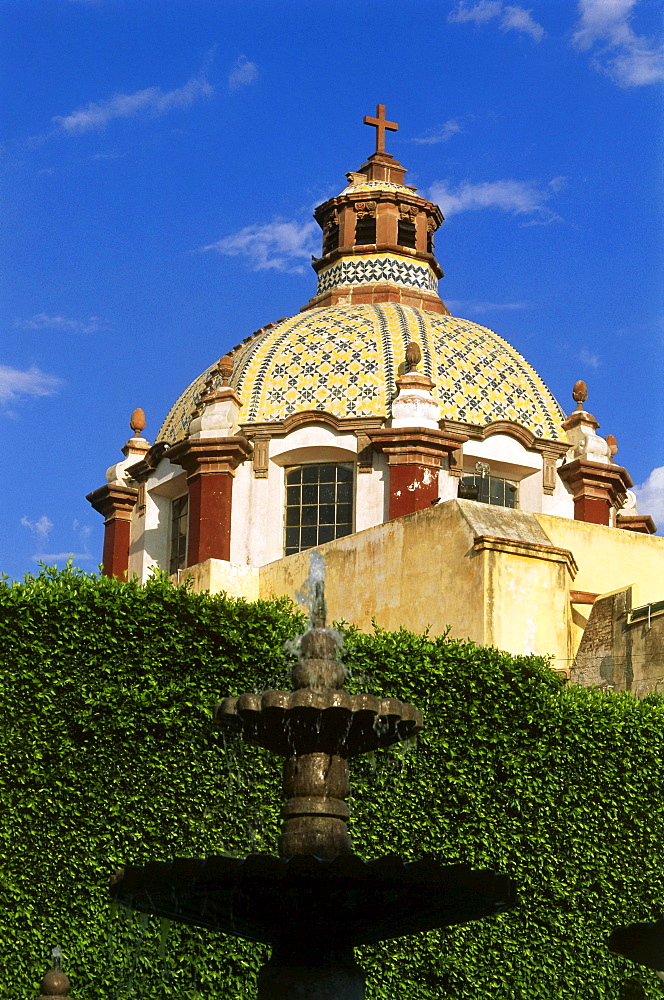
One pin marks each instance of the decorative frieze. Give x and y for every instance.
(375, 270)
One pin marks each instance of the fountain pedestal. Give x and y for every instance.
(314, 814)
(317, 900)
(315, 976)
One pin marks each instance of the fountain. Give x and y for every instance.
(317, 900)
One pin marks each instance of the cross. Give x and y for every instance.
(380, 125)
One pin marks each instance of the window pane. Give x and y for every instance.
(294, 476)
(309, 494)
(293, 494)
(345, 493)
(309, 515)
(322, 508)
(293, 539)
(490, 489)
(326, 514)
(344, 513)
(308, 538)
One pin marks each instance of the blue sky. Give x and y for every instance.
(161, 160)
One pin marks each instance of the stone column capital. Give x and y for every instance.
(422, 446)
(205, 456)
(114, 503)
(594, 479)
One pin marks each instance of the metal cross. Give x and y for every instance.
(380, 124)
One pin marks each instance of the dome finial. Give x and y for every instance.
(137, 421)
(580, 393)
(380, 124)
(413, 356)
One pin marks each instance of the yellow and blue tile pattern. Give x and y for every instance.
(345, 359)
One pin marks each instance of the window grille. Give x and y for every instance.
(319, 505)
(178, 550)
(406, 233)
(365, 230)
(489, 489)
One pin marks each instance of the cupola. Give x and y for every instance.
(378, 237)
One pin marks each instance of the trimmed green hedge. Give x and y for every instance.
(108, 756)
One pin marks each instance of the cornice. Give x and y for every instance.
(113, 502)
(206, 456)
(509, 427)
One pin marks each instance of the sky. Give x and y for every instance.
(161, 160)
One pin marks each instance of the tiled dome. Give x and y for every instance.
(344, 359)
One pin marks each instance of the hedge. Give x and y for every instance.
(107, 756)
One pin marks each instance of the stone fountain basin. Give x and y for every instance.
(308, 721)
(306, 899)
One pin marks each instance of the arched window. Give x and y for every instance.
(319, 505)
(178, 548)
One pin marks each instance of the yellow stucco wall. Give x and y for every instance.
(217, 576)
(496, 576)
(416, 571)
(610, 558)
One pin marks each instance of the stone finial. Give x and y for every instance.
(133, 449)
(217, 411)
(225, 367)
(581, 429)
(613, 445)
(137, 421)
(580, 393)
(413, 356)
(55, 983)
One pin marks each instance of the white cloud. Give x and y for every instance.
(441, 133)
(41, 321)
(41, 529)
(630, 60)
(650, 496)
(589, 359)
(479, 308)
(242, 73)
(480, 12)
(511, 18)
(515, 197)
(279, 245)
(151, 101)
(33, 382)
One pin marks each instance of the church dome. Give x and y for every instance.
(345, 359)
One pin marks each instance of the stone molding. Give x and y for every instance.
(642, 523)
(532, 550)
(114, 503)
(415, 445)
(596, 480)
(525, 437)
(260, 435)
(207, 456)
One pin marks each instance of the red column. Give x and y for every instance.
(596, 488)
(414, 456)
(115, 503)
(210, 464)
